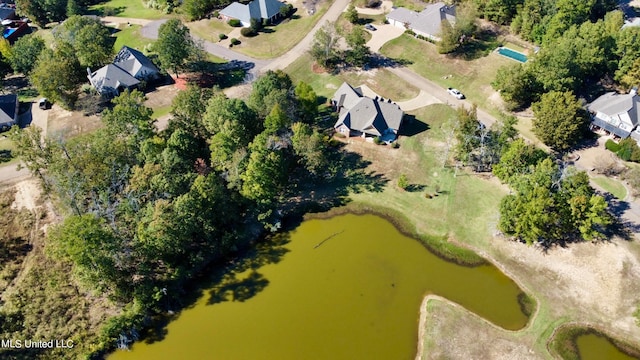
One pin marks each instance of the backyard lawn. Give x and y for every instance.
(6, 147)
(127, 8)
(612, 186)
(209, 29)
(382, 81)
(279, 39)
(472, 77)
(129, 35)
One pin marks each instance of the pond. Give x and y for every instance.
(595, 347)
(348, 287)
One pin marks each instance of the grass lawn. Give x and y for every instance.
(282, 37)
(209, 29)
(462, 207)
(6, 147)
(127, 8)
(472, 77)
(130, 36)
(381, 81)
(161, 111)
(612, 186)
(413, 5)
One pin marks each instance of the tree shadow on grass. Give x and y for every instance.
(480, 46)
(412, 126)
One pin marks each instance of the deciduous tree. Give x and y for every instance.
(174, 45)
(29, 47)
(560, 121)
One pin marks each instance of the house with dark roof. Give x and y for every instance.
(366, 117)
(8, 111)
(257, 9)
(427, 22)
(129, 67)
(617, 114)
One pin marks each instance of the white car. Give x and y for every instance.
(456, 93)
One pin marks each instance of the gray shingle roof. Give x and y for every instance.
(364, 114)
(8, 109)
(257, 9)
(428, 20)
(111, 77)
(613, 104)
(135, 63)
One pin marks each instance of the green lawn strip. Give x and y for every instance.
(413, 5)
(285, 35)
(612, 186)
(472, 77)
(209, 29)
(7, 158)
(130, 36)
(160, 112)
(127, 8)
(383, 82)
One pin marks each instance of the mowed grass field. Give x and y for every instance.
(129, 35)
(127, 8)
(382, 81)
(472, 77)
(441, 201)
(282, 37)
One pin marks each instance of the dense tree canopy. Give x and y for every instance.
(175, 45)
(57, 74)
(560, 121)
(29, 47)
(551, 206)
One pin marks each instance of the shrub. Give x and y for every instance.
(403, 182)
(340, 135)
(216, 14)
(248, 32)
(628, 150)
(234, 22)
(377, 141)
(395, 145)
(235, 41)
(410, 32)
(428, 196)
(222, 36)
(612, 146)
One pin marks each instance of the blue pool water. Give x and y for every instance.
(518, 56)
(7, 32)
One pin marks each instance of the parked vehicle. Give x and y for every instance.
(456, 93)
(370, 27)
(44, 104)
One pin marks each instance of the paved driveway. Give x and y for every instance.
(384, 33)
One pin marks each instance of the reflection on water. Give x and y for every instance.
(349, 287)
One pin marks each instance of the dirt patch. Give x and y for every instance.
(65, 124)
(450, 327)
(317, 68)
(162, 96)
(26, 195)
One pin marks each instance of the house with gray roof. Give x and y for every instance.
(136, 64)
(366, 117)
(129, 67)
(8, 111)
(257, 9)
(427, 22)
(617, 114)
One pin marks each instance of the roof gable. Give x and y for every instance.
(257, 9)
(616, 105)
(133, 62)
(111, 76)
(364, 114)
(8, 107)
(427, 21)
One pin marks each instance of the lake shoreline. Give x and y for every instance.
(442, 248)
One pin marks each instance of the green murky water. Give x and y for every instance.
(355, 296)
(594, 347)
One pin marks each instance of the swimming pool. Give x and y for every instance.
(7, 32)
(512, 54)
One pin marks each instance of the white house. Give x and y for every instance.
(257, 9)
(129, 67)
(616, 113)
(425, 23)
